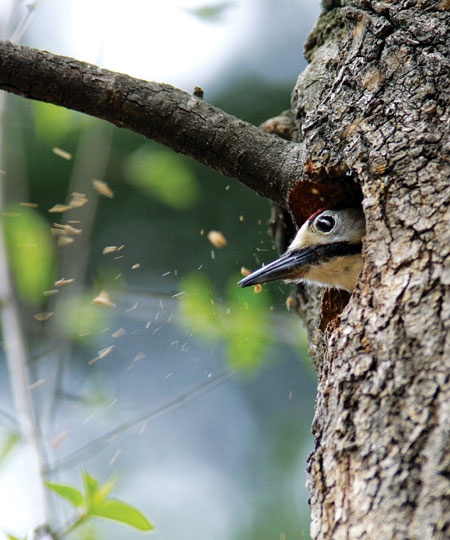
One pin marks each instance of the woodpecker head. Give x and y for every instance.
(325, 250)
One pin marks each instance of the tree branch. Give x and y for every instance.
(267, 164)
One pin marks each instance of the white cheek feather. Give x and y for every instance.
(334, 274)
(303, 238)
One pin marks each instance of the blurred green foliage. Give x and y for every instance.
(53, 124)
(31, 252)
(210, 12)
(9, 440)
(242, 322)
(12, 537)
(81, 318)
(164, 175)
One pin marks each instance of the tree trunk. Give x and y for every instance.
(369, 122)
(375, 101)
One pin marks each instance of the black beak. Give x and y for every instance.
(288, 266)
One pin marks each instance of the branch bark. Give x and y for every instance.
(265, 163)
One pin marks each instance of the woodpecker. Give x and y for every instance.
(326, 250)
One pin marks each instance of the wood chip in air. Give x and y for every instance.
(101, 354)
(45, 315)
(78, 200)
(140, 356)
(58, 440)
(244, 271)
(103, 188)
(115, 457)
(29, 204)
(289, 302)
(67, 229)
(50, 292)
(61, 282)
(135, 266)
(36, 384)
(64, 240)
(59, 208)
(109, 249)
(103, 299)
(257, 288)
(119, 333)
(133, 307)
(72, 230)
(217, 239)
(62, 153)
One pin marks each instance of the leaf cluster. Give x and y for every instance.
(95, 502)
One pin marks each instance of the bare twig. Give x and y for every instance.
(100, 442)
(17, 360)
(25, 22)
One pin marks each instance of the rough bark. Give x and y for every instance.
(375, 100)
(370, 121)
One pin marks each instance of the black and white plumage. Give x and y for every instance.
(326, 250)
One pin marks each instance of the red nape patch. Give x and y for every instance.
(316, 214)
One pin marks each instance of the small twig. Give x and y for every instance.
(25, 22)
(43, 532)
(17, 361)
(17, 356)
(96, 445)
(70, 527)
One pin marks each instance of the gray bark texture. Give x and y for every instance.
(375, 101)
(370, 125)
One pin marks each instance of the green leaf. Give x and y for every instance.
(163, 175)
(96, 493)
(211, 12)
(12, 537)
(31, 252)
(96, 503)
(90, 486)
(71, 494)
(122, 512)
(8, 443)
(105, 489)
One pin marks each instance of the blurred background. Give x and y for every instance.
(146, 360)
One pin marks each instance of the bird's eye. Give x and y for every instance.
(325, 224)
